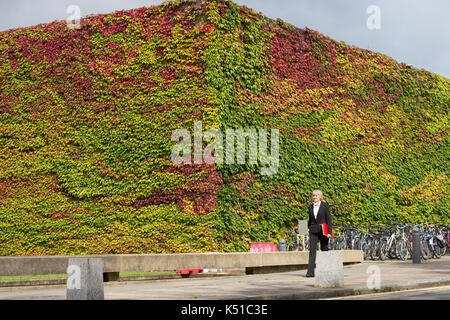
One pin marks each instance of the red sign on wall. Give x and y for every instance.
(263, 247)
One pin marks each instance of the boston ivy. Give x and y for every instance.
(86, 117)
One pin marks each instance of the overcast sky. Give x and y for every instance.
(416, 32)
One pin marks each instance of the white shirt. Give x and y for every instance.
(316, 209)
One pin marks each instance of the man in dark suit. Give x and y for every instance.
(319, 212)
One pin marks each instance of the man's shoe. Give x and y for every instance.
(309, 275)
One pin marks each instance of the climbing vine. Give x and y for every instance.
(86, 118)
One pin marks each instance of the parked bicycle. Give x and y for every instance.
(296, 242)
(392, 241)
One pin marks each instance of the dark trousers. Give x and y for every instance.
(313, 239)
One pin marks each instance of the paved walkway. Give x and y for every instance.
(435, 293)
(393, 275)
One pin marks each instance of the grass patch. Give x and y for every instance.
(43, 276)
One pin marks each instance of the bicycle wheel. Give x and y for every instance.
(357, 245)
(409, 245)
(292, 246)
(370, 251)
(289, 247)
(366, 248)
(425, 249)
(331, 245)
(339, 243)
(437, 250)
(402, 250)
(383, 250)
(393, 251)
(375, 249)
(344, 244)
(444, 250)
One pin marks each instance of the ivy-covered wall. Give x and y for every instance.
(86, 118)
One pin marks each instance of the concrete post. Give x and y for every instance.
(85, 279)
(329, 271)
(416, 256)
(282, 245)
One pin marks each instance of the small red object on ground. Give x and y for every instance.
(189, 271)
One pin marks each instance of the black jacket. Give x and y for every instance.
(323, 216)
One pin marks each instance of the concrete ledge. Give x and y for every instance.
(32, 282)
(40, 265)
(156, 277)
(275, 269)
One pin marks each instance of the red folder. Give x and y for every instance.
(325, 230)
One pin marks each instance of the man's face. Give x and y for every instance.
(316, 198)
